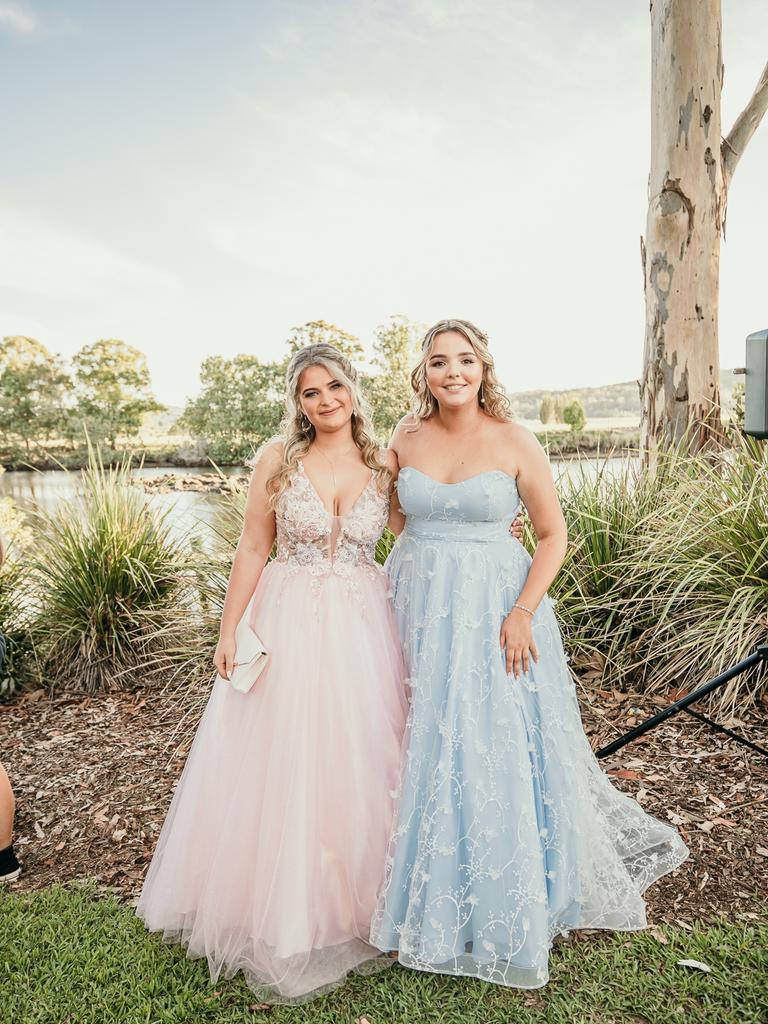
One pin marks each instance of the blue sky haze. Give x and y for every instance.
(199, 178)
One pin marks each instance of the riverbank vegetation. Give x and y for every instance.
(50, 409)
(666, 578)
(179, 451)
(665, 582)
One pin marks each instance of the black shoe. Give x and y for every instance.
(10, 869)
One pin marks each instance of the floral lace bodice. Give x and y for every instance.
(310, 537)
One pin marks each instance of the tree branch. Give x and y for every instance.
(744, 127)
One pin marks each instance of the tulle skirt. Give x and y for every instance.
(273, 849)
(508, 832)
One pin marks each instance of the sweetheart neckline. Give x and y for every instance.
(455, 483)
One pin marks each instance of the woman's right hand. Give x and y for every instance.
(224, 658)
(516, 529)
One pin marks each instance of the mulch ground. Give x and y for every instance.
(94, 775)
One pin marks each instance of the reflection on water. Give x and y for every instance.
(44, 490)
(192, 512)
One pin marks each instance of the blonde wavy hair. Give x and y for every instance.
(491, 396)
(297, 433)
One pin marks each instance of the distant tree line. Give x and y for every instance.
(104, 392)
(240, 402)
(555, 410)
(608, 401)
(604, 401)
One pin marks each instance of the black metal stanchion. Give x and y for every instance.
(760, 654)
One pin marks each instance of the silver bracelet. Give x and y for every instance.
(524, 608)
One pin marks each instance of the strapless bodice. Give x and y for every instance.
(478, 509)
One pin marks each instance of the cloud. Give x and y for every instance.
(13, 323)
(43, 258)
(17, 19)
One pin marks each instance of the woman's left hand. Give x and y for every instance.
(517, 642)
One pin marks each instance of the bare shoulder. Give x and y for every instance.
(521, 444)
(527, 450)
(404, 431)
(405, 424)
(516, 434)
(388, 459)
(269, 458)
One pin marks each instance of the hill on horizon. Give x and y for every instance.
(604, 401)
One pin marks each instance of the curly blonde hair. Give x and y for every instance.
(297, 433)
(491, 397)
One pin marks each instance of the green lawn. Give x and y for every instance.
(70, 957)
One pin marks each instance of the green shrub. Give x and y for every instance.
(15, 602)
(107, 575)
(574, 416)
(665, 583)
(702, 583)
(608, 516)
(384, 546)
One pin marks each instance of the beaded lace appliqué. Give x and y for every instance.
(310, 538)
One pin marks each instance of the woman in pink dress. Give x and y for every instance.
(273, 849)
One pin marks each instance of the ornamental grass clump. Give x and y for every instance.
(702, 583)
(109, 582)
(207, 575)
(19, 662)
(609, 514)
(12, 635)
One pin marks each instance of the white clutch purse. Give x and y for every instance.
(250, 656)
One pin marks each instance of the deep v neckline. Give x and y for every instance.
(320, 501)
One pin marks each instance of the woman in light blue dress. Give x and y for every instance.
(507, 832)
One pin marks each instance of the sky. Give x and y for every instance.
(199, 178)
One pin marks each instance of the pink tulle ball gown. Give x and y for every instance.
(273, 849)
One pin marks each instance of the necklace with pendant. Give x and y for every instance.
(330, 461)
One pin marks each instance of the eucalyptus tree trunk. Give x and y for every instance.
(691, 169)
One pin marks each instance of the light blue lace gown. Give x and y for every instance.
(507, 831)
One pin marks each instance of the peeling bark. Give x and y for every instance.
(682, 241)
(688, 183)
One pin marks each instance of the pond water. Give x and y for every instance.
(44, 490)
(31, 490)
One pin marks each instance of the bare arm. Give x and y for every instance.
(537, 490)
(397, 446)
(256, 540)
(396, 519)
